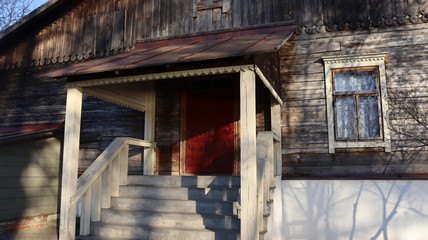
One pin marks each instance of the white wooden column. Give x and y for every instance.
(275, 111)
(249, 225)
(70, 163)
(149, 130)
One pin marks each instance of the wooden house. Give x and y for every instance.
(251, 92)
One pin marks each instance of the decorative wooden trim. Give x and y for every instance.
(268, 85)
(165, 75)
(115, 98)
(345, 61)
(352, 61)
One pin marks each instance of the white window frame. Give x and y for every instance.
(356, 61)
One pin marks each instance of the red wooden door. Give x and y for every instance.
(210, 132)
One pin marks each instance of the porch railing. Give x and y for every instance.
(265, 178)
(102, 179)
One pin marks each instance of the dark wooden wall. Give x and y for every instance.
(103, 27)
(97, 28)
(304, 130)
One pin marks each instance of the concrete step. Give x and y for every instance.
(171, 220)
(173, 206)
(185, 181)
(118, 231)
(179, 193)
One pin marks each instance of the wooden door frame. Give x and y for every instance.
(183, 120)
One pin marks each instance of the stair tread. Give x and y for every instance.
(171, 207)
(165, 213)
(165, 186)
(162, 228)
(183, 200)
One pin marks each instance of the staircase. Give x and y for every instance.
(171, 207)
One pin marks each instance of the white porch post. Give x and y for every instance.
(149, 130)
(249, 225)
(70, 162)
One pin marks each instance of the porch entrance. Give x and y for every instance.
(210, 128)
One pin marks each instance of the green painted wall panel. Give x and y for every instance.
(29, 178)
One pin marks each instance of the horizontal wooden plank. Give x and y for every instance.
(12, 214)
(384, 169)
(23, 182)
(291, 48)
(304, 102)
(304, 116)
(31, 202)
(312, 148)
(29, 172)
(349, 159)
(26, 192)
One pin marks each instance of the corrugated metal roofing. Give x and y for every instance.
(186, 49)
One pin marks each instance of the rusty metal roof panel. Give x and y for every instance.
(185, 49)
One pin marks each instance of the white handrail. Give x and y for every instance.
(102, 179)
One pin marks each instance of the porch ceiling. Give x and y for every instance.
(185, 49)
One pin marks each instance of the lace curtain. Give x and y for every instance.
(357, 113)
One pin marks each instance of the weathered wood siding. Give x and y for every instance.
(103, 27)
(305, 143)
(96, 28)
(30, 175)
(26, 100)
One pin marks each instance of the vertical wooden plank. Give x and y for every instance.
(148, 12)
(124, 165)
(115, 176)
(118, 31)
(96, 200)
(187, 20)
(163, 17)
(275, 111)
(375, 12)
(249, 229)
(236, 13)
(172, 17)
(105, 188)
(100, 42)
(149, 130)
(88, 42)
(85, 217)
(298, 12)
(328, 14)
(226, 6)
(216, 19)
(155, 18)
(70, 162)
(246, 13)
(364, 13)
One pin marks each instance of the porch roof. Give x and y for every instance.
(207, 46)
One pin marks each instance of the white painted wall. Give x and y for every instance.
(354, 209)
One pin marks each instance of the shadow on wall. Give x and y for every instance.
(29, 182)
(355, 209)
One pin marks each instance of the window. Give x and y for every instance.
(356, 102)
